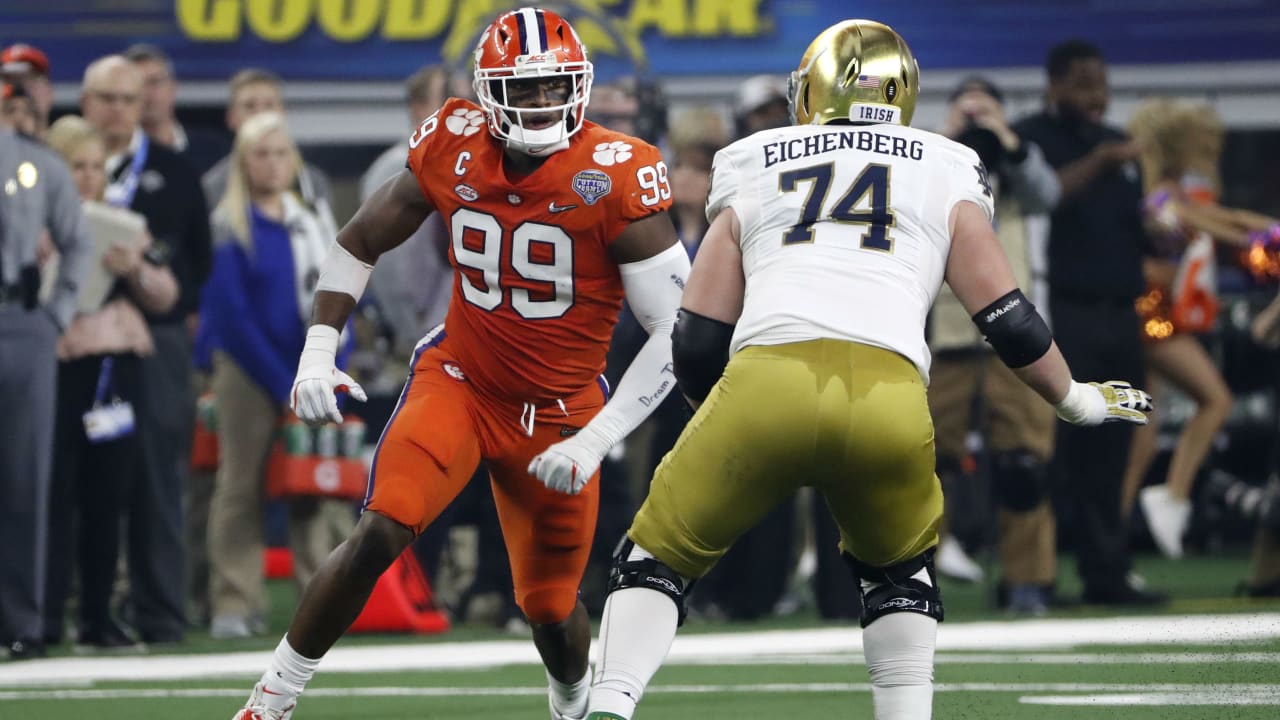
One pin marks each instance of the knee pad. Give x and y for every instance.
(897, 588)
(649, 573)
(1021, 480)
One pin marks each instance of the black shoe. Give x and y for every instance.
(166, 637)
(1124, 595)
(26, 649)
(107, 637)
(1266, 590)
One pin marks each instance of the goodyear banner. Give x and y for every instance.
(388, 39)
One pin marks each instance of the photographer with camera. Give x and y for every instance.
(1017, 425)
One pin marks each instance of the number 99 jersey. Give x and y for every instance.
(536, 293)
(844, 230)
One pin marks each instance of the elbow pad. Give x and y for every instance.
(699, 352)
(1015, 330)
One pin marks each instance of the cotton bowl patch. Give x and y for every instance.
(592, 185)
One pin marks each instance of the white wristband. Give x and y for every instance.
(1083, 405)
(343, 272)
(322, 340)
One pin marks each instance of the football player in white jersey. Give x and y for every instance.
(802, 335)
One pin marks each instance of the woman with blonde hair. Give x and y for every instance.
(99, 373)
(268, 247)
(1181, 147)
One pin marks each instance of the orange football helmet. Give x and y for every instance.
(517, 61)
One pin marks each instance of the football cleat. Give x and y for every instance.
(258, 707)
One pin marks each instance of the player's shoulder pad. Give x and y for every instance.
(457, 121)
(616, 153)
(952, 150)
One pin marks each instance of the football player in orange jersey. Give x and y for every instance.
(552, 221)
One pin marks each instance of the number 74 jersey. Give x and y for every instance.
(536, 293)
(844, 230)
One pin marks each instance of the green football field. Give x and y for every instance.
(1208, 655)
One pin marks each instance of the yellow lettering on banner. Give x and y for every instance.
(416, 19)
(209, 20)
(279, 21)
(348, 20)
(726, 17)
(472, 17)
(670, 17)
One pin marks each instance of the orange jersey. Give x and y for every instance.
(536, 293)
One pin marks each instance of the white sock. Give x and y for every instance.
(899, 651)
(636, 631)
(570, 699)
(286, 676)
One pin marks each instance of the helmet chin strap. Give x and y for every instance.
(538, 143)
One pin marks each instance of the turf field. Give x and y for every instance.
(1207, 656)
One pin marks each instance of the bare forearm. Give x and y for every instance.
(332, 309)
(155, 288)
(1049, 376)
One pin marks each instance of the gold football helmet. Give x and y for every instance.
(858, 70)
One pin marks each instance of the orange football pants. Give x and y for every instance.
(440, 430)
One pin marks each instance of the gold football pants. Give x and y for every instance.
(849, 419)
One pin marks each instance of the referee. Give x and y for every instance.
(36, 194)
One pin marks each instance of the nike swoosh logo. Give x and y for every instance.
(554, 208)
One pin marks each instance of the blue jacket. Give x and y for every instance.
(250, 307)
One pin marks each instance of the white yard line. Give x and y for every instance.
(779, 646)
(1116, 694)
(1265, 696)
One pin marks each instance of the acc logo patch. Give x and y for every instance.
(454, 372)
(464, 122)
(612, 153)
(592, 185)
(466, 192)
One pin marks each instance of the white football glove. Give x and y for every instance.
(314, 396)
(568, 465)
(1097, 403)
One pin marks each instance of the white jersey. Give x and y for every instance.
(845, 231)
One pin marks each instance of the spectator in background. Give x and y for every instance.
(100, 361)
(695, 144)
(43, 198)
(761, 104)
(753, 575)
(412, 286)
(19, 110)
(28, 68)
(254, 91)
(200, 147)
(1178, 138)
(155, 182)
(1017, 423)
(269, 246)
(1262, 505)
(1095, 273)
(636, 107)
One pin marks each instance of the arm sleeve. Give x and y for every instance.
(234, 327)
(1034, 183)
(71, 236)
(653, 288)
